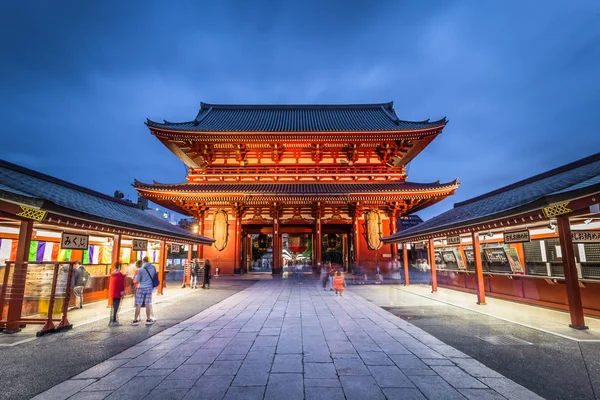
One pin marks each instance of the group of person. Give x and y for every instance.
(333, 279)
(200, 269)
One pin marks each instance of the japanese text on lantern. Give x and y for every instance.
(74, 241)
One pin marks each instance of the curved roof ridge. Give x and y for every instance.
(331, 106)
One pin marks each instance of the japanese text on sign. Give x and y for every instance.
(74, 241)
(585, 236)
(516, 237)
(453, 240)
(175, 248)
(140, 245)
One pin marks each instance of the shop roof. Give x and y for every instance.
(577, 178)
(297, 118)
(298, 189)
(19, 184)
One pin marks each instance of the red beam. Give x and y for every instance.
(431, 252)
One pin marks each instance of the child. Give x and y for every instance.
(339, 283)
(117, 291)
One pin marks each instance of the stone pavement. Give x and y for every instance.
(280, 339)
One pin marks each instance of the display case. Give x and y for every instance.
(589, 258)
(470, 260)
(497, 259)
(535, 258)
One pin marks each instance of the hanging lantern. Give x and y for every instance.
(297, 244)
(263, 242)
(331, 241)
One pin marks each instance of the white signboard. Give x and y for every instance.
(453, 240)
(419, 246)
(140, 245)
(74, 241)
(174, 248)
(585, 236)
(517, 237)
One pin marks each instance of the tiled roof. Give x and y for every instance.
(297, 118)
(522, 196)
(81, 202)
(299, 189)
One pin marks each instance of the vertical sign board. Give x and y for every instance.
(513, 260)
(140, 245)
(453, 240)
(74, 241)
(517, 237)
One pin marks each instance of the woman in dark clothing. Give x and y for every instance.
(206, 282)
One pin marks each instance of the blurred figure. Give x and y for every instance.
(206, 281)
(117, 292)
(339, 283)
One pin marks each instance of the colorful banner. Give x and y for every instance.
(153, 255)
(8, 250)
(64, 255)
(125, 255)
(97, 255)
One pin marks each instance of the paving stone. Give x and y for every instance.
(332, 382)
(115, 379)
(210, 387)
(251, 374)
(287, 363)
(101, 370)
(457, 377)
(146, 359)
(418, 372)
(319, 370)
(285, 386)
(324, 393)
(390, 376)
(361, 387)
(136, 388)
(91, 395)
(231, 357)
(244, 393)
(475, 368)
(403, 394)
(323, 357)
(351, 367)
(176, 384)
(190, 372)
(132, 352)
(510, 389)
(393, 348)
(158, 373)
(270, 331)
(481, 394)
(436, 361)
(375, 358)
(266, 341)
(168, 362)
(65, 389)
(223, 368)
(435, 388)
(408, 361)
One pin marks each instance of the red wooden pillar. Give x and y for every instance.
(318, 241)
(188, 271)
(394, 249)
(115, 257)
(478, 269)
(355, 237)
(276, 247)
(15, 303)
(200, 253)
(162, 262)
(405, 262)
(431, 253)
(571, 279)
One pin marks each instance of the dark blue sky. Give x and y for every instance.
(518, 80)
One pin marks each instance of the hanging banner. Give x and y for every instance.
(453, 240)
(140, 245)
(74, 241)
(585, 236)
(517, 237)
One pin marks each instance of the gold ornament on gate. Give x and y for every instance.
(220, 228)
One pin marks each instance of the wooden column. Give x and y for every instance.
(405, 262)
(276, 211)
(162, 262)
(480, 284)
(354, 212)
(394, 249)
(570, 269)
(431, 253)
(186, 278)
(15, 304)
(201, 224)
(317, 213)
(115, 258)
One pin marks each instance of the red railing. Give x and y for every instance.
(30, 291)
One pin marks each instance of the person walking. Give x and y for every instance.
(79, 280)
(339, 283)
(117, 292)
(206, 281)
(299, 273)
(194, 274)
(330, 277)
(324, 276)
(143, 294)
